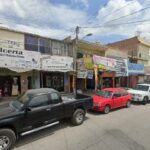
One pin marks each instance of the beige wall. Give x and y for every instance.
(10, 39)
(116, 52)
(144, 52)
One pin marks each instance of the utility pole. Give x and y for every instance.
(77, 30)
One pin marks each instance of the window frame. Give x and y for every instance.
(51, 98)
(117, 93)
(48, 102)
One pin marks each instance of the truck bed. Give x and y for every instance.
(66, 98)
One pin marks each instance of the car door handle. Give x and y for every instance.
(48, 109)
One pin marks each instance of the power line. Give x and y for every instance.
(143, 9)
(124, 23)
(111, 13)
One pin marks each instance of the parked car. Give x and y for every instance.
(111, 98)
(141, 93)
(38, 109)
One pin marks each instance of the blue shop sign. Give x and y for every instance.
(134, 69)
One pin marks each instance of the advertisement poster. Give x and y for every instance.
(104, 62)
(11, 58)
(56, 63)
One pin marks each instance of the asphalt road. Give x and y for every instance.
(122, 129)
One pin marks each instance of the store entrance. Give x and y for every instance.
(107, 82)
(10, 86)
(54, 80)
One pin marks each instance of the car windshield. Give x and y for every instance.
(141, 88)
(20, 100)
(103, 93)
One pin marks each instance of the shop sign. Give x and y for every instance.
(104, 62)
(121, 67)
(12, 58)
(56, 63)
(82, 74)
(88, 63)
(90, 74)
(147, 70)
(135, 69)
(11, 44)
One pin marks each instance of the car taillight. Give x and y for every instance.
(97, 104)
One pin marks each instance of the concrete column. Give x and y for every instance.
(66, 82)
(35, 79)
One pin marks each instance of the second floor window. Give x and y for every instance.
(59, 48)
(31, 43)
(44, 45)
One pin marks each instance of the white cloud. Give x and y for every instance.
(124, 7)
(43, 16)
(56, 20)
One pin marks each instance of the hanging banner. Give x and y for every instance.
(135, 69)
(104, 62)
(56, 63)
(90, 74)
(82, 74)
(80, 64)
(88, 62)
(19, 59)
(121, 67)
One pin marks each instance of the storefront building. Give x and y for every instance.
(104, 72)
(56, 72)
(135, 74)
(31, 61)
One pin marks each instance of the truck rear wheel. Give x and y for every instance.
(78, 117)
(7, 139)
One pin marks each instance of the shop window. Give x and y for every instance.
(60, 48)
(44, 45)
(31, 43)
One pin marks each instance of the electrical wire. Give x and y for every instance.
(143, 9)
(117, 10)
(124, 23)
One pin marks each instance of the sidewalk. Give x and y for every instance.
(6, 99)
(89, 92)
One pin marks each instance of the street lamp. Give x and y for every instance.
(89, 34)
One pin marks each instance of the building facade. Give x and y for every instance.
(86, 76)
(138, 50)
(32, 61)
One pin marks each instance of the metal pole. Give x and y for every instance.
(75, 61)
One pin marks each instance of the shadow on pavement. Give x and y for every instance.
(44, 133)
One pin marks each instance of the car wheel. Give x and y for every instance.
(107, 109)
(128, 104)
(145, 100)
(7, 139)
(78, 117)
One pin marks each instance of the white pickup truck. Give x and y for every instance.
(140, 93)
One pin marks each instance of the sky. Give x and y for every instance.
(59, 18)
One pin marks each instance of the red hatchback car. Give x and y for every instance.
(111, 98)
